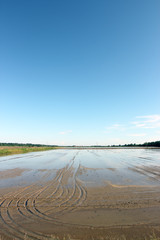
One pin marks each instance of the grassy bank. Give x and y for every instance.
(4, 151)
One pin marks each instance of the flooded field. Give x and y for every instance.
(80, 194)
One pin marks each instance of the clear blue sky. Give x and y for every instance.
(79, 72)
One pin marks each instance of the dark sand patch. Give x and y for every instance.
(11, 173)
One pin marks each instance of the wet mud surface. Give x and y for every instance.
(80, 194)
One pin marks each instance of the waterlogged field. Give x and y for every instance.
(80, 194)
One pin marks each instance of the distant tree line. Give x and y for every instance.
(152, 144)
(146, 144)
(26, 145)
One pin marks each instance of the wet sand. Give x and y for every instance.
(86, 194)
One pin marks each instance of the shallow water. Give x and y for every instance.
(79, 194)
(94, 167)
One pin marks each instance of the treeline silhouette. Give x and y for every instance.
(26, 145)
(146, 144)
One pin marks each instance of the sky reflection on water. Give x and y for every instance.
(93, 167)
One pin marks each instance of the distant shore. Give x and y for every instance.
(106, 148)
(6, 150)
(10, 150)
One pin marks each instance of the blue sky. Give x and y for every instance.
(79, 72)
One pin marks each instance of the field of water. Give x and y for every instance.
(80, 194)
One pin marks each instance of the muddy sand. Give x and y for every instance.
(80, 194)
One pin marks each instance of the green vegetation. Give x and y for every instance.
(19, 150)
(147, 144)
(26, 145)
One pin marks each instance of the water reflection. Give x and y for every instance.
(93, 167)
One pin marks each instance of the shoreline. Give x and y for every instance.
(6, 151)
(109, 148)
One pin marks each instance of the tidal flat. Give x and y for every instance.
(80, 194)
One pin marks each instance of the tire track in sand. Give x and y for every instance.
(14, 229)
(28, 204)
